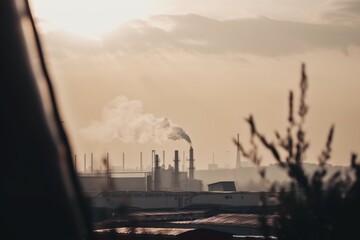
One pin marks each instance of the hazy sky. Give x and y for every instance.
(128, 72)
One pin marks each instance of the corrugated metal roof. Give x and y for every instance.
(160, 213)
(221, 182)
(228, 219)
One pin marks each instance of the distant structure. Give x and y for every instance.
(238, 161)
(227, 186)
(159, 179)
(213, 165)
(176, 184)
(171, 179)
(191, 163)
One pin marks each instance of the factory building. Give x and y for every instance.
(92, 183)
(222, 186)
(162, 188)
(168, 181)
(159, 179)
(174, 200)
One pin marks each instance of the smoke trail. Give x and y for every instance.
(122, 119)
(179, 133)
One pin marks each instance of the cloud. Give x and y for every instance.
(196, 34)
(261, 36)
(344, 12)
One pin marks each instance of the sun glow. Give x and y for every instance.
(89, 18)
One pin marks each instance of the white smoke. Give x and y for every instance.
(123, 119)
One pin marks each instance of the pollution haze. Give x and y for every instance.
(136, 76)
(123, 120)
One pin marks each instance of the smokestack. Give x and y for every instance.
(123, 165)
(152, 159)
(176, 185)
(85, 162)
(164, 159)
(153, 169)
(191, 163)
(141, 164)
(92, 163)
(157, 173)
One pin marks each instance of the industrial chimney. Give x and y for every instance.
(157, 173)
(141, 163)
(92, 163)
(191, 163)
(176, 184)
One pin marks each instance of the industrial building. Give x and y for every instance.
(159, 179)
(174, 200)
(162, 188)
(222, 186)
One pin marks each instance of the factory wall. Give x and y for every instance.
(227, 199)
(129, 184)
(193, 185)
(100, 183)
(142, 200)
(167, 178)
(175, 200)
(93, 183)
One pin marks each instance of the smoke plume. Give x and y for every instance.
(123, 119)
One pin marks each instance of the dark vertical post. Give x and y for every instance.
(157, 173)
(191, 163)
(184, 160)
(176, 171)
(85, 162)
(75, 164)
(92, 162)
(164, 159)
(153, 168)
(123, 165)
(141, 163)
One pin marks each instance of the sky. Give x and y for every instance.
(138, 75)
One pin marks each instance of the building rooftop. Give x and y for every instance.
(222, 186)
(230, 219)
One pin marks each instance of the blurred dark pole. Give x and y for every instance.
(40, 194)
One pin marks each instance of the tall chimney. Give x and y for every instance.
(141, 163)
(85, 162)
(176, 185)
(164, 159)
(92, 162)
(157, 173)
(123, 165)
(191, 163)
(153, 169)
